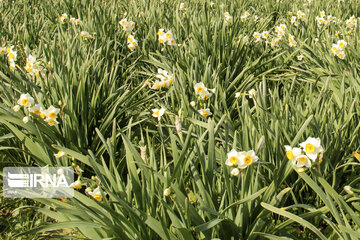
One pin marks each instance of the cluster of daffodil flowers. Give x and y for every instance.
(244, 17)
(324, 20)
(75, 21)
(49, 115)
(132, 42)
(244, 39)
(280, 32)
(240, 160)
(339, 49)
(307, 154)
(352, 22)
(204, 94)
(260, 36)
(93, 190)
(128, 26)
(11, 56)
(72, 20)
(166, 37)
(228, 18)
(300, 17)
(165, 79)
(292, 42)
(63, 17)
(84, 34)
(33, 67)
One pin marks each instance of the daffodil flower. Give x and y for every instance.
(199, 88)
(205, 112)
(36, 109)
(59, 154)
(25, 100)
(52, 112)
(63, 17)
(247, 158)
(51, 121)
(312, 146)
(157, 113)
(302, 160)
(77, 184)
(96, 194)
(233, 158)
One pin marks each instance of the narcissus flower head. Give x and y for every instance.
(96, 194)
(205, 112)
(247, 158)
(25, 100)
(157, 113)
(312, 147)
(233, 158)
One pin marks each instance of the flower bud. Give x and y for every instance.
(25, 119)
(348, 190)
(60, 171)
(16, 108)
(167, 192)
(235, 172)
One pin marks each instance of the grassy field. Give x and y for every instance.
(184, 120)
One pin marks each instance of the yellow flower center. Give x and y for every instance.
(77, 186)
(168, 35)
(59, 152)
(289, 154)
(37, 75)
(303, 159)
(309, 148)
(11, 55)
(248, 160)
(161, 40)
(42, 115)
(25, 102)
(205, 97)
(233, 159)
(205, 114)
(199, 89)
(36, 111)
(51, 122)
(52, 115)
(97, 197)
(156, 113)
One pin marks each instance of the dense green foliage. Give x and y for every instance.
(166, 177)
